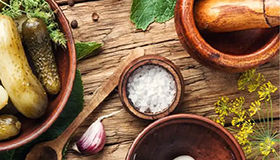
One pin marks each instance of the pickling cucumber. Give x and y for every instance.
(24, 89)
(38, 45)
(3, 97)
(9, 126)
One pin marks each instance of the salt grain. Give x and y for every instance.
(151, 88)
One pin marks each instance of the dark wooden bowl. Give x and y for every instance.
(66, 61)
(231, 52)
(148, 60)
(185, 134)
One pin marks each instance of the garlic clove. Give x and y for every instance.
(93, 140)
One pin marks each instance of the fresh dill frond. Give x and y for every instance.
(258, 140)
(58, 37)
(36, 9)
(13, 9)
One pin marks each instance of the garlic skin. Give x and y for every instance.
(93, 140)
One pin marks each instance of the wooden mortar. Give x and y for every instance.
(228, 51)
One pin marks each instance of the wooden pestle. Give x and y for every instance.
(234, 15)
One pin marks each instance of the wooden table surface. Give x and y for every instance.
(114, 28)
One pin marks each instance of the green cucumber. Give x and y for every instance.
(9, 126)
(24, 89)
(38, 45)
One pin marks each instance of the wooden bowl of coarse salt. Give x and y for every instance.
(151, 87)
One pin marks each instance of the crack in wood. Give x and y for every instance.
(265, 16)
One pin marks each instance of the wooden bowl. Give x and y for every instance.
(66, 63)
(185, 134)
(150, 60)
(231, 52)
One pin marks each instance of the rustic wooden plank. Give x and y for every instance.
(202, 85)
(119, 36)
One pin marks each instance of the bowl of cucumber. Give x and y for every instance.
(37, 69)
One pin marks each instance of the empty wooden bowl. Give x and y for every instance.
(150, 60)
(185, 134)
(66, 63)
(230, 51)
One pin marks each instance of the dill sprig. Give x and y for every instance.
(13, 9)
(36, 9)
(256, 139)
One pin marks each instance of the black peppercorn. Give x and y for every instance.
(74, 24)
(71, 3)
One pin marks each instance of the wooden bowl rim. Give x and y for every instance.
(196, 118)
(207, 52)
(150, 60)
(18, 142)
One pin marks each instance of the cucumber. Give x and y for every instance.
(9, 126)
(24, 89)
(38, 45)
(3, 97)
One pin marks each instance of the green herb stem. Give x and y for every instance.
(268, 117)
(271, 111)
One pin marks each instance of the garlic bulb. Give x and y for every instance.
(94, 139)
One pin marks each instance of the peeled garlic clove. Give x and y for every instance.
(93, 140)
(184, 157)
(3, 97)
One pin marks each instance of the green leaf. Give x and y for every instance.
(165, 11)
(70, 112)
(144, 12)
(84, 49)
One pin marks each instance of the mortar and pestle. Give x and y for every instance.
(229, 35)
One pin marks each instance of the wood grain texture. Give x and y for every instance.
(202, 85)
(228, 15)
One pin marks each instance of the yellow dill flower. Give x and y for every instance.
(267, 146)
(250, 80)
(265, 91)
(254, 107)
(256, 83)
(245, 79)
(247, 148)
(237, 106)
(221, 120)
(244, 132)
(236, 121)
(222, 106)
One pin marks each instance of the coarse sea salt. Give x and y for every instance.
(151, 88)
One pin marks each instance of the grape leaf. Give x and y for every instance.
(84, 49)
(144, 12)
